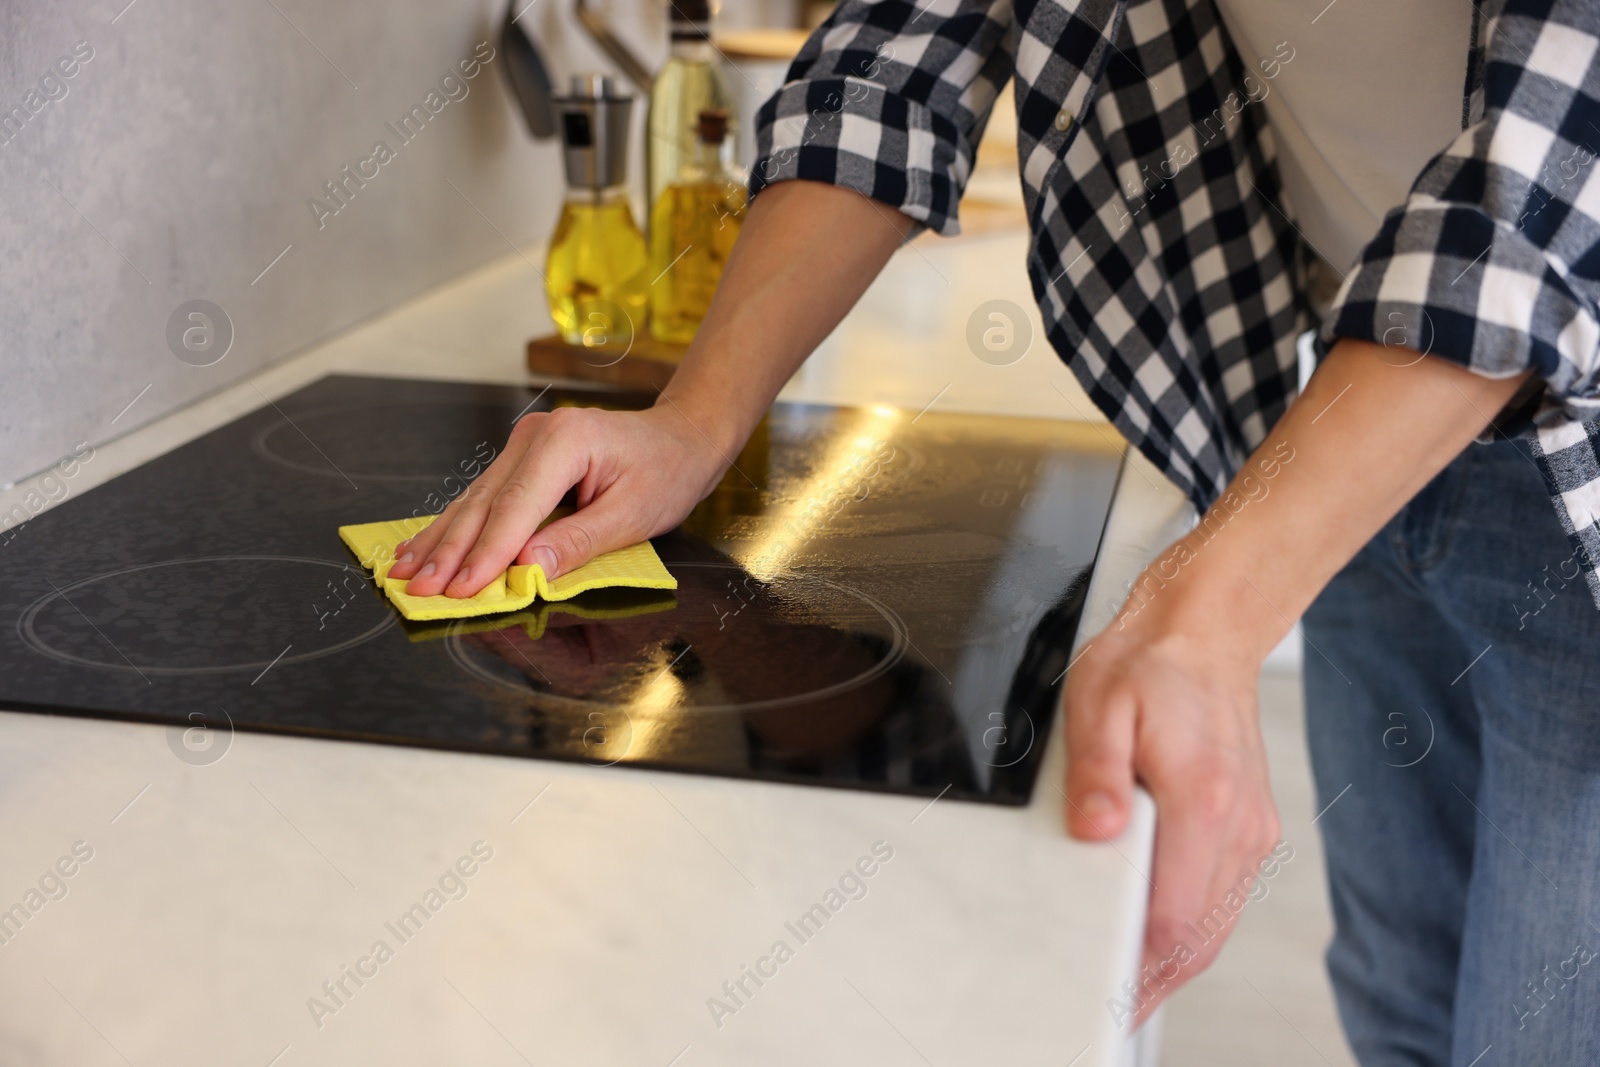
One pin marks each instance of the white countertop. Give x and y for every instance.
(220, 898)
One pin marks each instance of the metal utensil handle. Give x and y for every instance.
(599, 29)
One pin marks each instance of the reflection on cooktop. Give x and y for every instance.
(869, 599)
(780, 654)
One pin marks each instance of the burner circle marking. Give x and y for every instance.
(261, 443)
(31, 637)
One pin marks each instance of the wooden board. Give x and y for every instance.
(646, 364)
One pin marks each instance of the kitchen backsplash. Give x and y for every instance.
(191, 191)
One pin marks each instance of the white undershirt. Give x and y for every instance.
(1373, 90)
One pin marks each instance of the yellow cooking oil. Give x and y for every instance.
(597, 269)
(688, 83)
(693, 227)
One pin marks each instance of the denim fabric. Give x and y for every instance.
(1453, 709)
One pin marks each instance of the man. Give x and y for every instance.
(1441, 158)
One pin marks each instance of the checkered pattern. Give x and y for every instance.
(1493, 261)
(1161, 267)
(1166, 269)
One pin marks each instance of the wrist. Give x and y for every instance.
(1209, 596)
(711, 441)
(713, 410)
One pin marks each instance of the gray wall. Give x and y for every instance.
(179, 162)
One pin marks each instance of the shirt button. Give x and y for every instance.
(1063, 120)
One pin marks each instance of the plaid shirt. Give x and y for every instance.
(1162, 255)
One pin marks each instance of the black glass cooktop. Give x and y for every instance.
(871, 599)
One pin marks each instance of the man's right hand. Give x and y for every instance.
(636, 474)
(806, 252)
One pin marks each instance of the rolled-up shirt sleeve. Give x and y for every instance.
(1493, 261)
(890, 98)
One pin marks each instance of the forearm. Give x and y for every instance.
(1371, 429)
(806, 253)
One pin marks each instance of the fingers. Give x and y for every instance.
(1191, 851)
(486, 537)
(1100, 752)
(412, 555)
(1156, 707)
(464, 516)
(604, 526)
(1213, 825)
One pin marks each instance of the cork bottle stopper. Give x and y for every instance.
(713, 126)
(691, 10)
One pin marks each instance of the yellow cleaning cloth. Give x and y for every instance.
(634, 567)
(535, 620)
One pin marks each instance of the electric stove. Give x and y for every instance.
(871, 598)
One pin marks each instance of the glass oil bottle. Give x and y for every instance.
(692, 230)
(596, 270)
(689, 83)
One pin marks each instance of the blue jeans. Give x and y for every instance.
(1453, 709)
